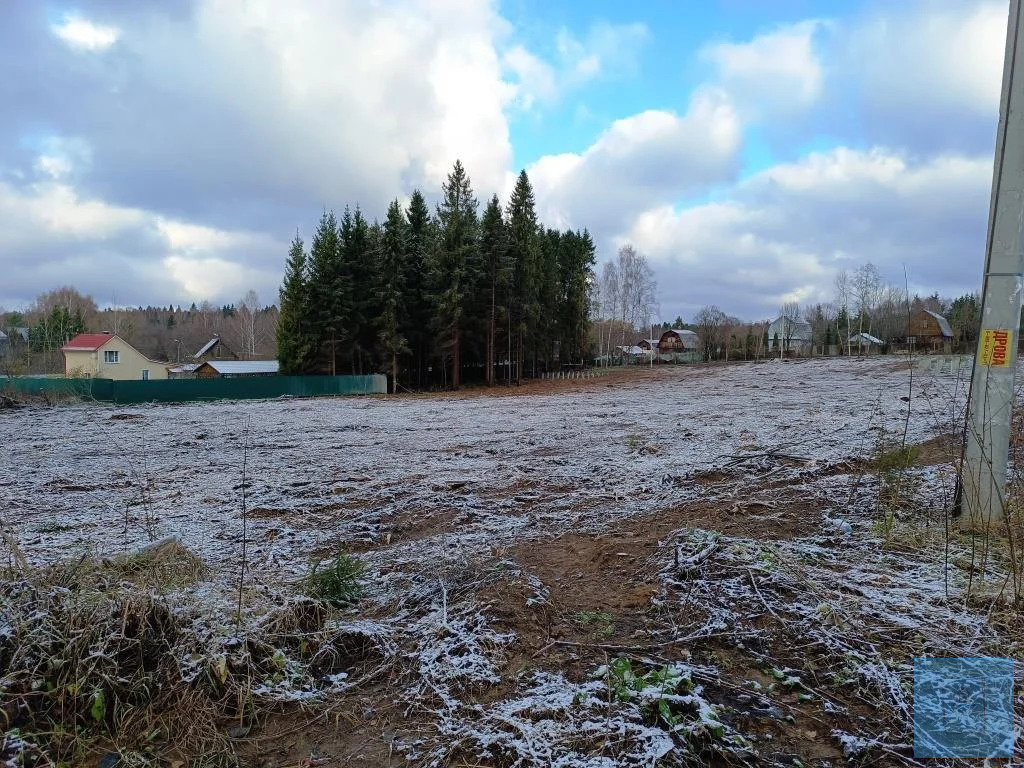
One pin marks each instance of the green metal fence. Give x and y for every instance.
(190, 390)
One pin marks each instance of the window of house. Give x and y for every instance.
(111, 356)
(145, 374)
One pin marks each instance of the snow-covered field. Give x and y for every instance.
(321, 474)
(714, 527)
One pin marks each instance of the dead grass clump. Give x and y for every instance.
(85, 666)
(166, 563)
(96, 661)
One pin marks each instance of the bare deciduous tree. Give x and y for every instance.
(710, 321)
(637, 297)
(247, 325)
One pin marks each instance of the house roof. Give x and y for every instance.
(236, 367)
(87, 342)
(207, 347)
(184, 368)
(689, 338)
(866, 337)
(943, 323)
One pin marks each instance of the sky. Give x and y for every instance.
(159, 153)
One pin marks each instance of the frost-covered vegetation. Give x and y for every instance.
(733, 565)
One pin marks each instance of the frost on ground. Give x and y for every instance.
(684, 565)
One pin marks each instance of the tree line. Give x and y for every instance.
(434, 298)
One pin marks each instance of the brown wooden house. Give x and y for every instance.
(930, 331)
(214, 349)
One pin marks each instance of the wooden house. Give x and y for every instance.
(929, 331)
(214, 349)
(676, 340)
(228, 369)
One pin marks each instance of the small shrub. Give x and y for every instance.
(338, 583)
(896, 459)
(603, 623)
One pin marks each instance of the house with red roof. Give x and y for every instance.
(108, 356)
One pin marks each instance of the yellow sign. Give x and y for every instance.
(995, 348)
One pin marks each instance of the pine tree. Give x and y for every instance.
(453, 262)
(293, 341)
(524, 254)
(417, 299)
(393, 242)
(496, 273)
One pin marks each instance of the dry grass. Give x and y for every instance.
(98, 658)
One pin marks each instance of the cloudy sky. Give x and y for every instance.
(167, 152)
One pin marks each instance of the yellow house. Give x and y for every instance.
(108, 356)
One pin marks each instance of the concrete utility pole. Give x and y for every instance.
(990, 401)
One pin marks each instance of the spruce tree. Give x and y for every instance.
(494, 254)
(357, 258)
(453, 262)
(575, 275)
(293, 332)
(393, 242)
(329, 293)
(524, 254)
(417, 299)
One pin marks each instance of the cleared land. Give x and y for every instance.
(682, 565)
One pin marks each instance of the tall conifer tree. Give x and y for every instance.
(454, 259)
(391, 289)
(494, 253)
(294, 346)
(524, 253)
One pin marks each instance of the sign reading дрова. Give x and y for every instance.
(995, 348)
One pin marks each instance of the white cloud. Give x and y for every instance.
(784, 232)
(942, 53)
(58, 235)
(536, 78)
(57, 209)
(84, 35)
(609, 51)
(775, 72)
(208, 277)
(654, 155)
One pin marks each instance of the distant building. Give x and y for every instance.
(214, 349)
(793, 334)
(108, 356)
(183, 371)
(213, 369)
(649, 344)
(929, 330)
(11, 339)
(678, 340)
(866, 343)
